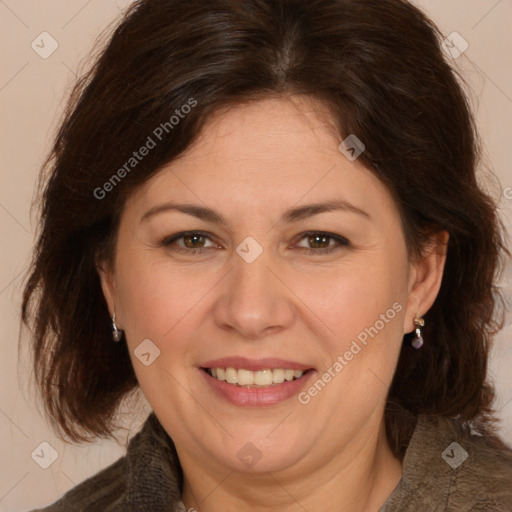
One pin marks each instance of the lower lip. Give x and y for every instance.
(257, 397)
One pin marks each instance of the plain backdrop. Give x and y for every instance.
(33, 90)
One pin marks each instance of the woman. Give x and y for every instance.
(265, 215)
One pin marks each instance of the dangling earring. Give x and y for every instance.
(417, 341)
(116, 333)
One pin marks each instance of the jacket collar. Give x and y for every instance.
(423, 468)
(154, 479)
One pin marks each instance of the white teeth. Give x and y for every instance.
(245, 377)
(263, 377)
(260, 378)
(289, 374)
(277, 376)
(231, 376)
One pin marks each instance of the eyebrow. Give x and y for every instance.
(293, 215)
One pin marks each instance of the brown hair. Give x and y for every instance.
(378, 66)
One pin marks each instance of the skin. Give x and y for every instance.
(251, 164)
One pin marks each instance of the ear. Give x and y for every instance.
(107, 279)
(425, 276)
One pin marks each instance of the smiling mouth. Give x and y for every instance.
(255, 379)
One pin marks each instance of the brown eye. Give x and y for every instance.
(319, 242)
(193, 242)
(316, 240)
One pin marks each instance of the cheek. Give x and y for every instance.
(158, 305)
(152, 296)
(364, 310)
(166, 303)
(362, 297)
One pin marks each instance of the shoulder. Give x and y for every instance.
(98, 492)
(148, 477)
(481, 466)
(450, 467)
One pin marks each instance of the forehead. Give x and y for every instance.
(286, 129)
(265, 155)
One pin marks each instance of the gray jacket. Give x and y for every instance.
(444, 470)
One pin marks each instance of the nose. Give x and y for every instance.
(254, 302)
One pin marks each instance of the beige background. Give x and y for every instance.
(31, 96)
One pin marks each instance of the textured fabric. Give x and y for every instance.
(435, 477)
(148, 479)
(481, 483)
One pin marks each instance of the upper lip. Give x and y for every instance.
(262, 363)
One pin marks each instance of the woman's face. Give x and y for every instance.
(268, 283)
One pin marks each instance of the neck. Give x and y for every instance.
(358, 480)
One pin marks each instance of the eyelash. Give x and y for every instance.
(342, 242)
